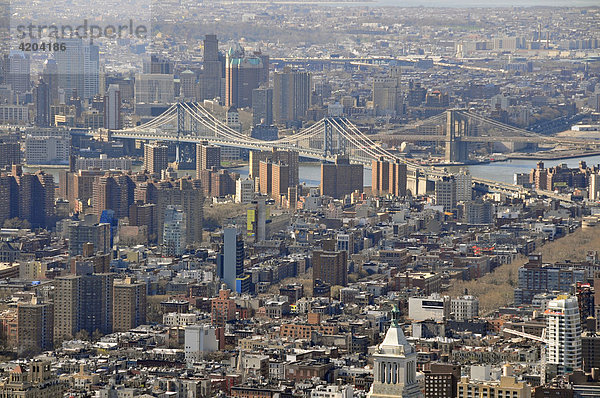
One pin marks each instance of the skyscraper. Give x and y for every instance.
(156, 64)
(262, 106)
(212, 73)
(464, 186)
(242, 75)
(231, 264)
(50, 76)
(78, 68)
(112, 108)
(42, 104)
(155, 158)
(341, 178)
(129, 304)
(291, 95)
(19, 72)
(395, 365)
(88, 231)
(387, 97)
(564, 334)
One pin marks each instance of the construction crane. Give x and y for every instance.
(541, 339)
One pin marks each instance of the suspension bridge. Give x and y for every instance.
(324, 140)
(190, 122)
(457, 128)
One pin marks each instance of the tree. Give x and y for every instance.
(82, 335)
(17, 223)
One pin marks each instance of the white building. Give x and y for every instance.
(244, 190)
(445, 192)
(434, 307)
(199, 339)
(563, 334)
(395, 365)
(78, 68)
(48, 149)
(332, 391)
(174, 230)
(112, 108)
(177, 319)
(103, 163)
(464, 186)
(464, 308)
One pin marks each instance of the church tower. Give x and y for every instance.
(395, 365)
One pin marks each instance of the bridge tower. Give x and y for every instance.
(329, 149)
(457, 126)
(180, 128)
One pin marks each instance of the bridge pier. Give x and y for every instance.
(457, 126)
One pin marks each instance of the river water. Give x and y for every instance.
(310, 173)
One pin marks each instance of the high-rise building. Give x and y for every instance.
(129, 304)
(291, 95)
(9, 198)
(380, 174)
(174, 231)
(88, 231)
(19, 75)
(113, 191)
(231, 259)
(156, 64)
(397, 180)
(341, 178)
(262, 106)
(187, 85)
(535, 277)
(330, 266)
(244, 190)
(445, 192)
(395, 365)
(42, 104)
(154, 88)
(83, 301)
(35, 327)
(10, 153)
(212, 72)
(242, 75)
(155, 158)
(387, 95)
(464, 186)
(36, 198)
(289, 158)
(144, 214)
(78, 69)
(188, 194)
(50, 77)
(563, 334)
(113, 119)
(207, 157)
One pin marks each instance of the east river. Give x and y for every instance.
(310, 173)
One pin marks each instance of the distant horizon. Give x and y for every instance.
(439, 3)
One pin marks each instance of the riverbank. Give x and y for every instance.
(553, 155)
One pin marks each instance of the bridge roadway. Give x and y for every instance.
(487, 138)
(424, 171)
(310, 153)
